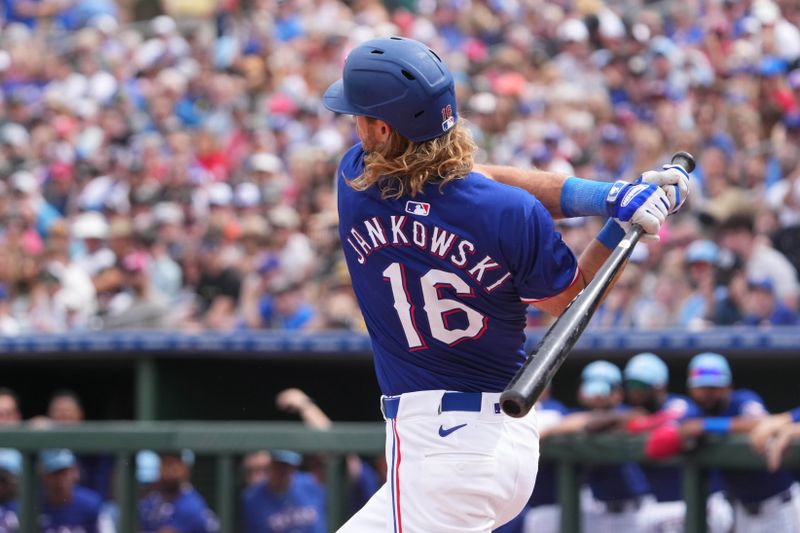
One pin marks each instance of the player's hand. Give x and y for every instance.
(292, 400)
(766, 429)
(777, 446)
(673, 180)
(638, 203)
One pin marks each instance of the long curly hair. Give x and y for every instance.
(402, 167)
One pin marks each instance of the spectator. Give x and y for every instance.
(763, 309)
(65, 505)
(175, 505)
(10, 468)
(287, 500)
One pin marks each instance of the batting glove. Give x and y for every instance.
(638, 203)
(673, 180)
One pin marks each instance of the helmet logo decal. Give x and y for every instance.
(448, 120)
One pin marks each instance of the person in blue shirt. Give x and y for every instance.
(444, 256)
(287, 502)
(10, 468)
(646, 379)
(762, 308)
(66, 507)
(174, 506)
(764, 501)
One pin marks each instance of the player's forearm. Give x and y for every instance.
(545, 186)
(589, 263)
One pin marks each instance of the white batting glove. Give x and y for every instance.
(650, 215)
(673, 180)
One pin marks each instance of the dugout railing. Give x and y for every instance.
(226, 442)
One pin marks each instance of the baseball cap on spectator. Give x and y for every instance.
(56, 459)
(602, 371)
(10, 461)
(163, 25)
(148, 465)
(15, 135)
(168, 213)
(265, 162)
(24, 182)
(761, 283)
(90, 225)
(611, 134)
(733, 201)
(220, 194)
(287, 457)
(573, 30)
(246, 194)
(709, 369)
(283, 216)
(647, 368)
(702, 251)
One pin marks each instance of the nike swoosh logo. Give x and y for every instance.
(445, 432)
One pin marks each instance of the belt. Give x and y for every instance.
(451, 401)
(755, 508)
(620, 506)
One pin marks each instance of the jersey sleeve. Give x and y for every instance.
(795, 414)
(541, 263)
(750, 404)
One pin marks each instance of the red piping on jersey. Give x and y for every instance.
(397, 478)
(571, 283)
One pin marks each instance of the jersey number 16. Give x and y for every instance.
(436, 308)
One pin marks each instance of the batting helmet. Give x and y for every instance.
(400, 81)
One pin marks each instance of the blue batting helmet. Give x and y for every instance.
(400, 81)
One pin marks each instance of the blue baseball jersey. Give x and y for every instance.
(665, 481)
(301, 509)
(9, 520)
(444, 279)
(751, 486)
(544, 492)
(188, 513)
(79, 515)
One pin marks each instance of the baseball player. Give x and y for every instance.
(444, 263)
(765, 502)
(10, 468)
(646, 378)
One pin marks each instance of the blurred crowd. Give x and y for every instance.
(179, 172)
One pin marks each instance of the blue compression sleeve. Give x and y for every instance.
(611, 234)
(719, 425)
(795, 414)
(581, 198)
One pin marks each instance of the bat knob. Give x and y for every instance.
(685, 160)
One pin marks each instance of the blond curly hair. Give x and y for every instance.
(401, 167)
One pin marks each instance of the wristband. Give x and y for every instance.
(611, 234)
(795, 414)
(718, 425)
(581, 198)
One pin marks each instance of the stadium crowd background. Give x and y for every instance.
(180, 175)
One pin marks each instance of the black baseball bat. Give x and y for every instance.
(543, 362)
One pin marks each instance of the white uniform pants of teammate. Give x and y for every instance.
(456, 464)
(779, 513)
(670, 517)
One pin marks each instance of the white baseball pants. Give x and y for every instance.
(451, 471)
